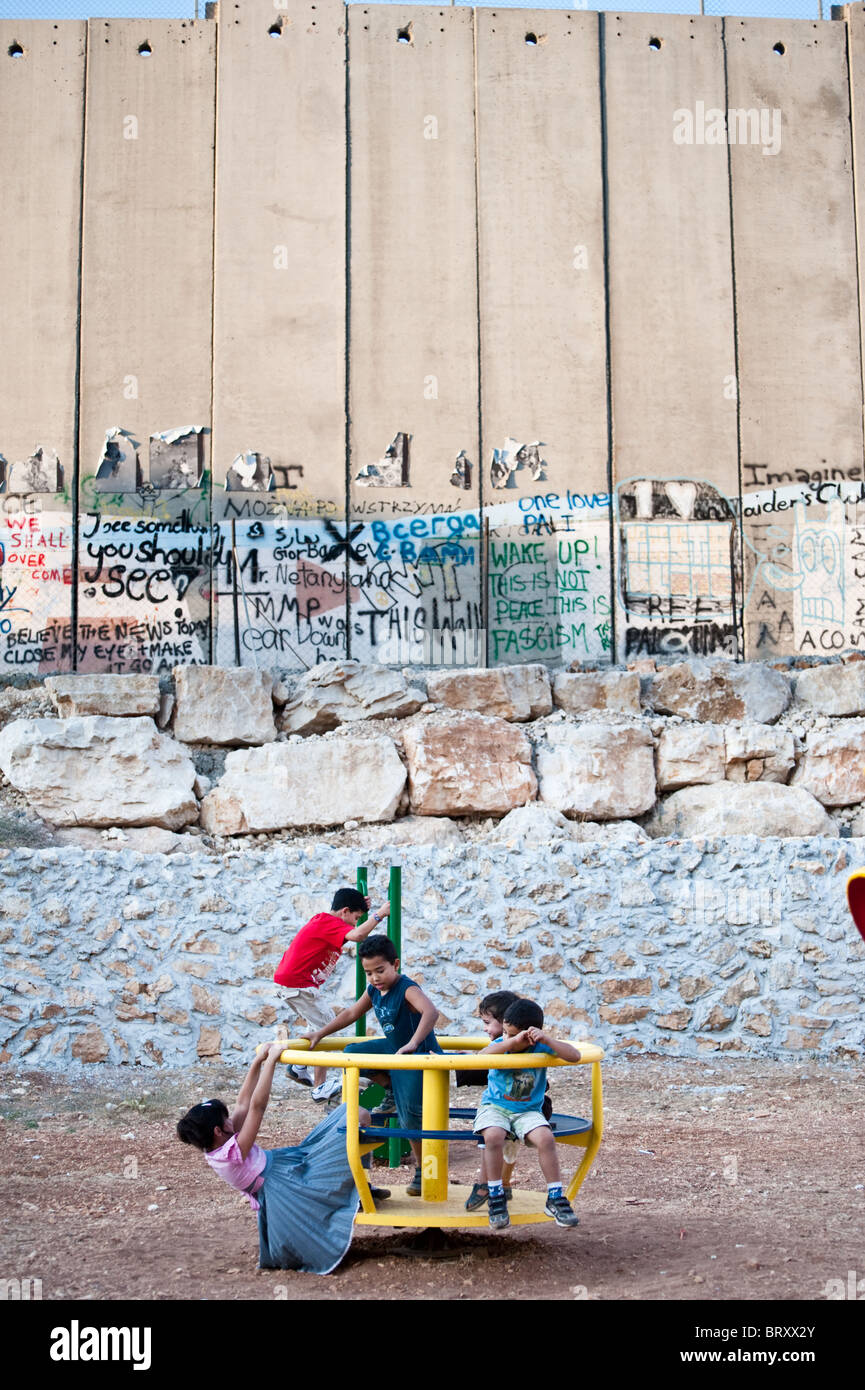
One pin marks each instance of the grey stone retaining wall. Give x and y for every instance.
(682, 948)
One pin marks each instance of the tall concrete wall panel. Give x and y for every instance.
(41, 131)
(144, 540)
(413, 327)
(430, 335)
(672, 343)
(279, 332)
(542, 334)
(800, 382)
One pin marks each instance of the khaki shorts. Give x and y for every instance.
(516, 1126)
(305, 1005)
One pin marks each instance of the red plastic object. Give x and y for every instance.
(856, 899)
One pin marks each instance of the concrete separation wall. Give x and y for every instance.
(462, 335)
(686, 949)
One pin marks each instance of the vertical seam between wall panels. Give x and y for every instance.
(482, 549)
(738, 597)
(848, 39)
(76, 456)
(347, 385)
(605, 208)
(215, 550)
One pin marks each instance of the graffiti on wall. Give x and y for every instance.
(527, 579)
(678, 573)
(287, 592)
(421, 577)
(280, 592)
(804, 568)
(143, 592)
(35, 589)
(549, 596)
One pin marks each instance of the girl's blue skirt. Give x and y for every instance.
(308, 1202)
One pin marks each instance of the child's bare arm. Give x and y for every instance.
(251, 1124)
(565, 1050)
(374, 920)
(503, 1044)
(427, 1021)
(244, 1095)
(342, 1020)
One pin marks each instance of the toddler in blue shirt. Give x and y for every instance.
(510, 1108)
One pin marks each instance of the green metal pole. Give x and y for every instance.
(373, 1094)
(395, 1147)
(359, 976)
(394, 924)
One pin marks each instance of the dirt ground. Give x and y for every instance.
(717, 1180)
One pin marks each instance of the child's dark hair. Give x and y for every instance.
(524, 1013)
(377, 946)
(350, 898)
(197, 1125)
(497, 1003)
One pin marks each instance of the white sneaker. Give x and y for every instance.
(301, 1074)
(331, 1087)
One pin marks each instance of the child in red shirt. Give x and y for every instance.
(310, 960)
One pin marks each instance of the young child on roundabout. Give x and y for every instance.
(305, 1196)
(407, 1019)
(307, 964)
(511, 1108)
(492, 1010)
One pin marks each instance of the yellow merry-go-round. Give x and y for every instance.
(442, 1203)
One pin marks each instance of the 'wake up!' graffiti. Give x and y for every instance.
(549, 597)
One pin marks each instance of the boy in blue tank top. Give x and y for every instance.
(510, 1108)
(407, 1019)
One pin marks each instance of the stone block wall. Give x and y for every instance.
(659, 856)
(692, 748)
(681, 949)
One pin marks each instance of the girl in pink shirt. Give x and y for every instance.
(305, 1196)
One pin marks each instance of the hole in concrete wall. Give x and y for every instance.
(779, 49)
(404, 35)
(15, 50)
(531, 39)
(275, 29)
(144, 50)
(655, 43)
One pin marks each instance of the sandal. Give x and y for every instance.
(478, 1197)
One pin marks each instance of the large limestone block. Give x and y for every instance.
(228, 705)
(93, 770)
(462, 764)
(833, 768)
(515, 693)
(688, 755)
(597, 770)
(721, 691)
(340, 692)
(758, 753)
(317, 782)
(739, 808)
(834, 690)
(577, 692)
(115, 696)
